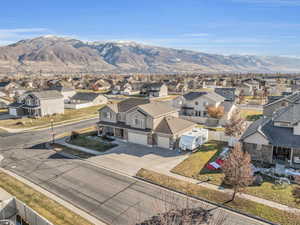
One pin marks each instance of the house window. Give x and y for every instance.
(137, 122)
(205, 103)
(196, 103)
(204, 113)
(107, 115)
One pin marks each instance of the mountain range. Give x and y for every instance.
(52, 54)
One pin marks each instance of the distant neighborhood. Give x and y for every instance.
(194, 128)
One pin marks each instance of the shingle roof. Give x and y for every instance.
(50, 94)
(127, 104)
(4, 84)
(153, 85)
(155, 109)
(227, 93)
(211, 95)
(290, 114)
(291, 98)
(85, 96)
(277, 136)
(173, 125)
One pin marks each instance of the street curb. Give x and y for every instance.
(207, 201)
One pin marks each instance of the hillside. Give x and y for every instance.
(51, 54)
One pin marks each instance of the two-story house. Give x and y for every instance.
(154, 90)
(143, 122)
(193, 106)
(275, 139)
(38, 104)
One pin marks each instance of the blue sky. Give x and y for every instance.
(263, 27)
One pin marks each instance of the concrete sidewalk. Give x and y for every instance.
(166, 171)
(45, 127)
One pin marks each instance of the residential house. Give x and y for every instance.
(100, 85)
(153, 90)
(38, 104)
(67, 92)
(276, 139)
(193, 106)
(278, 102)
(5, 86)
(227, 93)
(85, 99)
(142, 122)
(131, 88)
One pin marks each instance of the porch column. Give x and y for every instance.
(291, 157)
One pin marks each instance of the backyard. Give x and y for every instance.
(195, 167)
(69, 116)
(251, 114)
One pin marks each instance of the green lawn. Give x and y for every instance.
(83, 141)
(194, 167)
(48, 208)
(69, 115)
(63, 149)
(263, 211)
(251, 114)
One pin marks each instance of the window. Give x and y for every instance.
(205, 103)
(196, 103)
(136, 121)
(107, 115)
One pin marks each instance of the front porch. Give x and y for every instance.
(33, 112)
(112, 131)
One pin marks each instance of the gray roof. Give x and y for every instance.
(127, 104)
(4, 84)
(152, 85)
(227, 93)
(289, 114)
(290, 98)
(155, 109)
(211, 95)
(85, 96)
(277, 136)
(50, 94)
(227, 106)
(62, 88)
(173, 125)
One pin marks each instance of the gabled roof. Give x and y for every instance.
(127, 104)
(290, 98)
(212, 95)
(50, 94)
(155, 109)
(289, 114)
(153, 85)
(173, 125)
(277, 136)
(85, 96)
(227, 93)
(4, 84)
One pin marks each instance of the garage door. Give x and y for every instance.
(137, 138)
(163, 142)
(13, 111)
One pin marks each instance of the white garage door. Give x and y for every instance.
(163, 142)
(137, 138)
(13, 111)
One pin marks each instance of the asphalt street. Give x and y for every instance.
(109, 196)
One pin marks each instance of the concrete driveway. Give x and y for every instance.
(129, 158)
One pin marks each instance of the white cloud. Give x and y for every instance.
(11, 35)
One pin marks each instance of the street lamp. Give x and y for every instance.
(52, 131)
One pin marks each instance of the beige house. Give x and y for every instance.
(38, 104)
(142, 122)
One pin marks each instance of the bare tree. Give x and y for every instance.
(215, 112)
(236, 125)
(237, 170)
